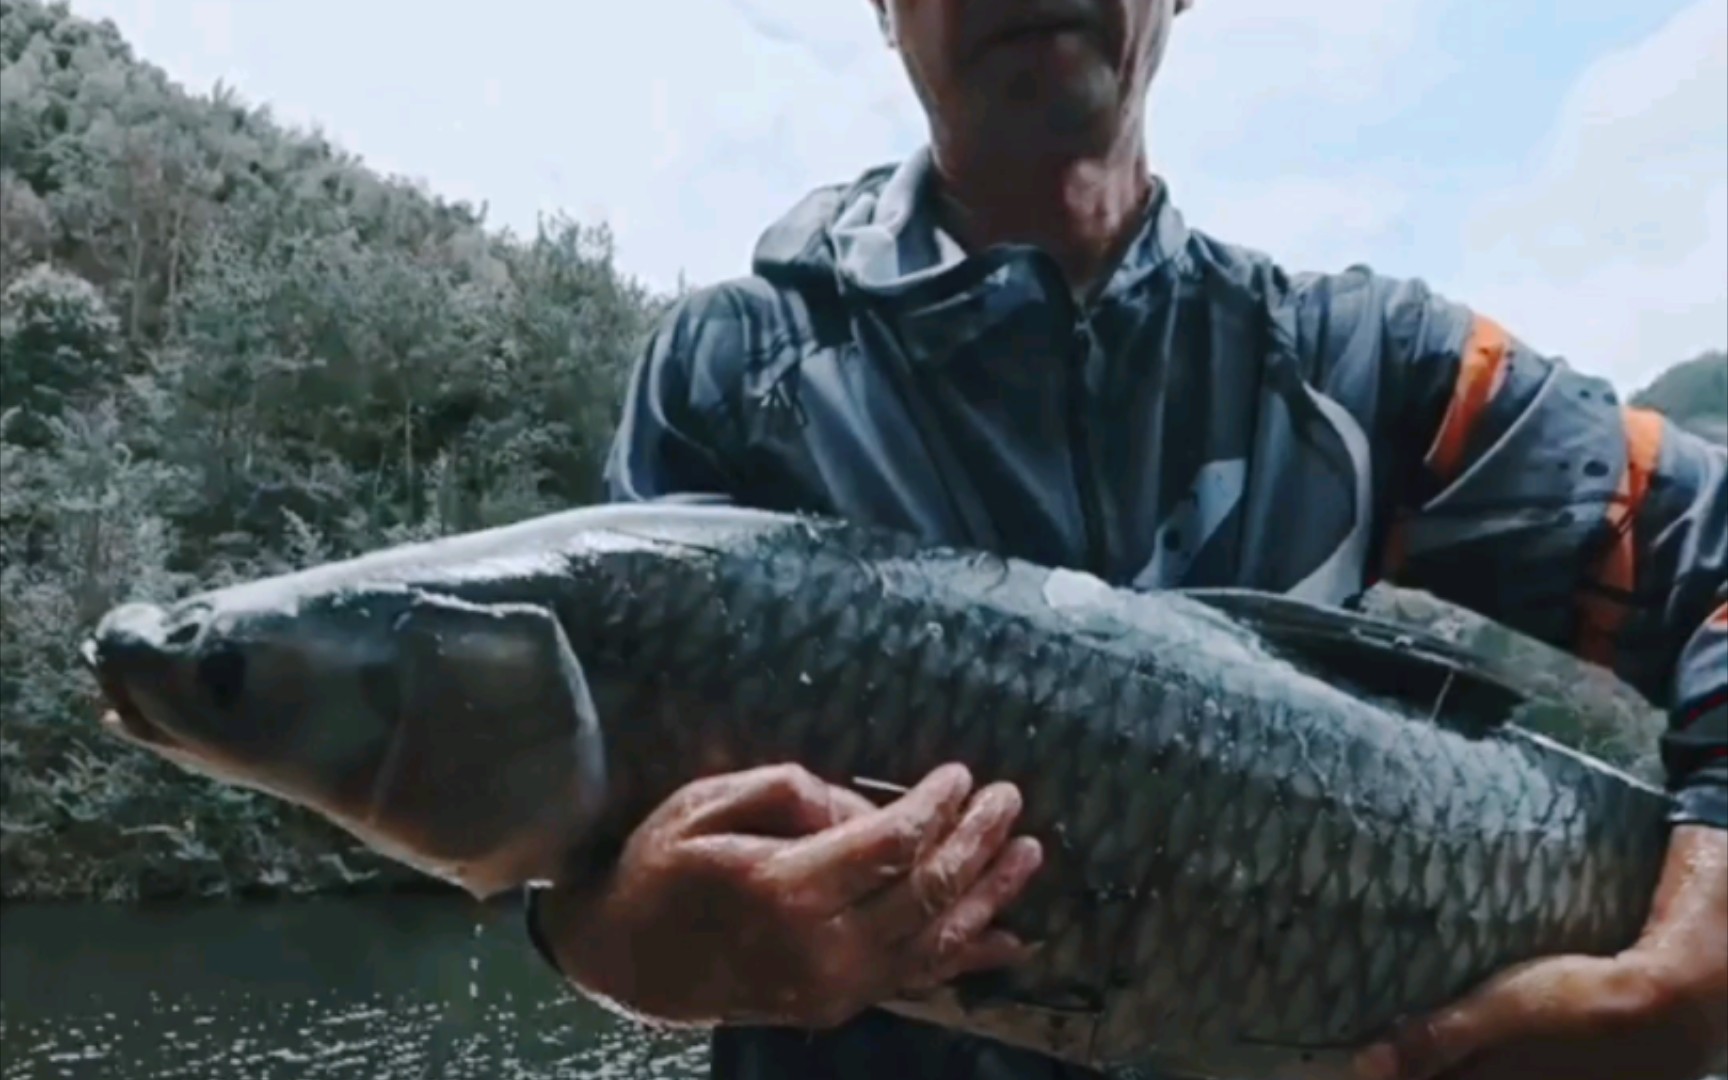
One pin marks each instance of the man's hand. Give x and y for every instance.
(770, 897)
(1658, 1011)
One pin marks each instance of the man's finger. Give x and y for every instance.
(946, 872)
(990, 951)
(772, 800)
(944, 950)
(859, 856)
(844, 804)
(735, 854)
(1524, 1002)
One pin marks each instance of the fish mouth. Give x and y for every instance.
(123, 717)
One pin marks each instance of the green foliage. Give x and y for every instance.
(58, 342)
(230, 349)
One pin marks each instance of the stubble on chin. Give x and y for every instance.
(1068, 117)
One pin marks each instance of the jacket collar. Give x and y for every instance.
(877, 242)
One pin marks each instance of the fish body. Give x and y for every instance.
(1270, 828)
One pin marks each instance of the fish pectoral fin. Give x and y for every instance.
(1282, 618)
(1359, 652)
(496, 659)
(501, 742)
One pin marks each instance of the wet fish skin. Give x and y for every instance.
(1270, 829)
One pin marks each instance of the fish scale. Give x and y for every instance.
(1270, 829)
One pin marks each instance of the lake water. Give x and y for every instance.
(370, 989)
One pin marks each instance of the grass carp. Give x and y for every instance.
(1270, 828)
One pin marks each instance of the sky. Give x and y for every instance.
(1560, 165)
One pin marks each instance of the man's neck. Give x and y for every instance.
(1082, 211)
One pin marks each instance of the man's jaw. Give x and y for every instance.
(1030, 24)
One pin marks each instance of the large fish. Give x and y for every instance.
(1270, 828)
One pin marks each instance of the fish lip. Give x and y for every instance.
(126, 720)
(123, 717)
(127, 725)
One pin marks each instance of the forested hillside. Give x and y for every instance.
(1694, 393)
(229, 348)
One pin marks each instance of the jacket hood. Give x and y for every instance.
(797, 246)
(874, 232)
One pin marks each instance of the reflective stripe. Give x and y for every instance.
(1605, 602)
(1481, 371)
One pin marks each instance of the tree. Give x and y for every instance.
(58, 343)
(1694, 394)
(229, 349)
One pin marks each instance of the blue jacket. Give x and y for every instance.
(1202, 418)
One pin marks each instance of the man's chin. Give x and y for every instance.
(1069, 125)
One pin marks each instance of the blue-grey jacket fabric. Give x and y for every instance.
(1202, 418)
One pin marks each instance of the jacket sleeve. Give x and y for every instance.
(1529, 492)
(675, 434)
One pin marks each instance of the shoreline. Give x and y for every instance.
(243, 896)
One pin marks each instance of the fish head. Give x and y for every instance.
(457, 738)
(289, 701)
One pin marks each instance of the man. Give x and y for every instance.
(1012, 341)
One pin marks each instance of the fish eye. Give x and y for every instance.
(223, 674)
(188, 623)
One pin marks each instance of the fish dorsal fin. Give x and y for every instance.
(1375, 658)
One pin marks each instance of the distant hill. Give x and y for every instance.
(228, 347)
(1693, 393)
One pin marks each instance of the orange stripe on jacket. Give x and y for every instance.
(1718, 619)
(1600, 617)
(1392, 552)
(1481, 370)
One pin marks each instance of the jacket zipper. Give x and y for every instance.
(1080, 451)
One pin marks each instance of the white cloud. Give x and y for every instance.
(1615, 252)
(833, 99)
(1304, 222)
(1232, 60)
(690, 125)
(1242, 72)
